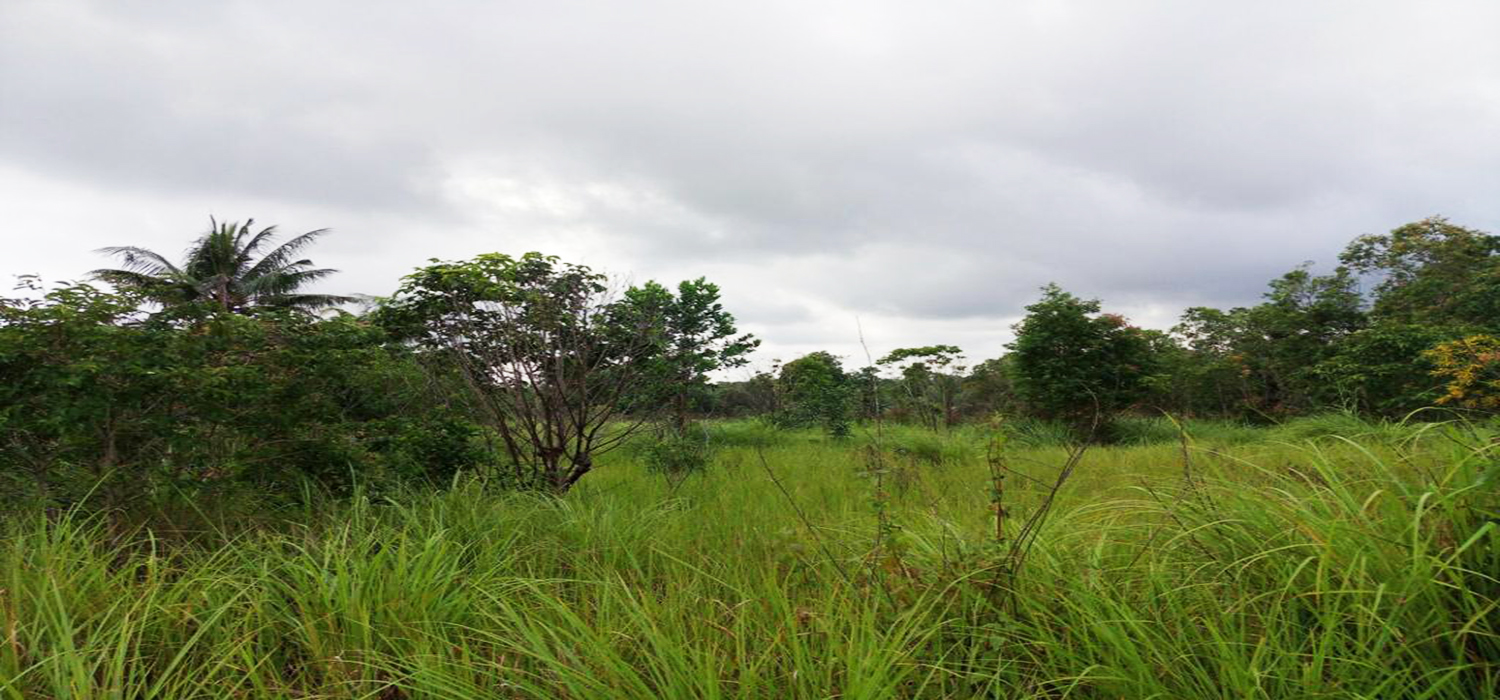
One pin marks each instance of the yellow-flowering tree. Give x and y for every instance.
(1471, 367)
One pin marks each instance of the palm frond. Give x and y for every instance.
(165, 289)
(128, 279)
(278, 258)
(307, 302)
(142, 260)
(217, 266)
(249, 248)
(204, 257)
(285, 281)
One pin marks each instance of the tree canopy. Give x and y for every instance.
(1077, 364)
(553, 361)
(221, 268)
(697, 337)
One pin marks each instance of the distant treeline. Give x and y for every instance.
(1408, 320)
(220, 371)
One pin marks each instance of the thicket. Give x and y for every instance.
(99, 399)
(220, 372)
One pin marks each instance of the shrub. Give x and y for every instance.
(816, 391)
(742, 433)
(97, 398)
(677, 453)
(1471, 369)
(931, 448)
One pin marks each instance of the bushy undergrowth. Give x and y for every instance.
(747, 432)
(100, 401)
(1142, 430)
(1341, 425)
(1329, 568)
(674, 452)
(1153, 430)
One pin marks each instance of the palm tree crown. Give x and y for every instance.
(220, 267)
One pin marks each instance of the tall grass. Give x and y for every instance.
(1358, 568)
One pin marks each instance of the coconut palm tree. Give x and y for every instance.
(221, 268)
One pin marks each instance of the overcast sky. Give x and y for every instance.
(917, 169)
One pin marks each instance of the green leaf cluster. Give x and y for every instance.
(99, 399)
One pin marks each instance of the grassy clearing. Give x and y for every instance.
(1288, 566)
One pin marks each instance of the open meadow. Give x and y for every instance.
(1057, 350)
(1323, 558)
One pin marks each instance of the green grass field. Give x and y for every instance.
(1326, 559)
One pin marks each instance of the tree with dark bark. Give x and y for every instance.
(551, 359)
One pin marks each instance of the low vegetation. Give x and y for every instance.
(1327, 567)
(515, 478)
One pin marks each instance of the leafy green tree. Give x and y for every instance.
(755, 396)
(872, 394)
(222, 268)
(1171, 387)
(1432, 272)
(1213, 370)
(926, 387)
(697, 337)
(1313, 345)
(815, 390)
(988, 389)
(1384, 369)
(1303, 319)
(1075, 364)
(76, 379)
(1268, 353)
(550, 359)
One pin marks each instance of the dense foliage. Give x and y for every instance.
(1075, 364)
(99, 398)
(814, 390)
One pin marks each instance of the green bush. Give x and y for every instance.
(1327, 425)
(742, 433)
(100, 400)
(1035, 432)
(677, 453)
(931, 448)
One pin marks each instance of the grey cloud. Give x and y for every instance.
(861, 159)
